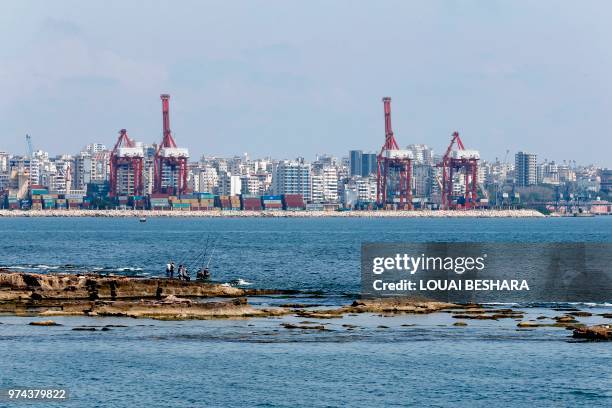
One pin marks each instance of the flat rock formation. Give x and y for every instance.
(599, 332)
(171, 308)
(16, 286)
(384, 306)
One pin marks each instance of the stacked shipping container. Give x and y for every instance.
(250, 203)
(293, 202)
(272, 202)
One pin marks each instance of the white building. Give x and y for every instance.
(229, 184)
(423, 154)
(324, 185)
(292, 177)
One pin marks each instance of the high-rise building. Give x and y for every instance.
(606, 180)
(525, 166)
(369, 164)
(95, 148)
(423, 154)
(355, 162)
(4, 162)
(209, 179)
(229, 184)
(324, 185)
(422, 179)
(292, 177)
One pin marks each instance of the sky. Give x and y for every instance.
(301, 78)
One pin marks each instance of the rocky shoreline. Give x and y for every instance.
(45, 295)
(97, 295)
(275, 214)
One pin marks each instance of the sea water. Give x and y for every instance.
(364, 360)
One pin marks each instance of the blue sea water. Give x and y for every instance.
(412, 360)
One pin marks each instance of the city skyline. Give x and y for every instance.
(509, 158)
(296, 80)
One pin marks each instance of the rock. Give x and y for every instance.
(581, 314)
(266, 292)
(488, 314)
(395, 306)
(174, 299)
(530, 324)
(60, 286)
(460, 324)
(475, 316)
(606, 315)
(542, 317)
(382, 327)
(599, 332)
(44, 323)
(565, 319)
(298, 305)
(320, 314)
(305, 327)
(84, 328)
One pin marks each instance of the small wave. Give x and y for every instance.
(242, 282)
(238, 282)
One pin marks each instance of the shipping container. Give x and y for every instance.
(204, 195)
(272, 206)
(272, 198)
(251, 203)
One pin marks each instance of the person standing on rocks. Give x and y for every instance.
(168, 267)
(171, 270)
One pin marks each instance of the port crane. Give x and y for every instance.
(455, 161)
(170, 160)
(129, 158)
(394, 175)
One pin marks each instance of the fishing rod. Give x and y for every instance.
(185, 258)
(211, 255)
(200, 254)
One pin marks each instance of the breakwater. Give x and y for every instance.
(276, 214)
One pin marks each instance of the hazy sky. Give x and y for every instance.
(288, 78)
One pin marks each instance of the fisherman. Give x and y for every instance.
(203, 274)
(186, 276)
(180, 272)
(168, 268)
(171, 270)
